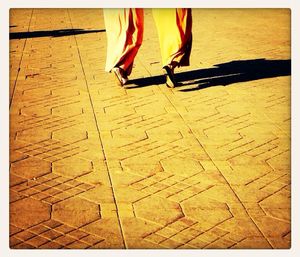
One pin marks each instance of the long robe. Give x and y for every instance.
(125, 28)
(174, 27)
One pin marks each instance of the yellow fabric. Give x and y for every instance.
(125, 27)
(174, 27)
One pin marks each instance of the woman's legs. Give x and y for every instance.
(124, 29)
(174, 28)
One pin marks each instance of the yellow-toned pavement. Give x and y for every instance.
(204, 165)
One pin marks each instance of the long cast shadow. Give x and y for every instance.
(223, 74)
(51, 33)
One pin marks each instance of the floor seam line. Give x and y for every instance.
(99, 133)
(21, 59)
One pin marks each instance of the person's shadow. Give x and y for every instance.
(222, 74)
(50, 33)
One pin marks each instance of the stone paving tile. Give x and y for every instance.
(205, 165)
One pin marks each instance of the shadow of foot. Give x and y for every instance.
(223, 74)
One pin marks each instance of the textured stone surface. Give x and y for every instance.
(158, 210)
(28, 212)
(31, 168)
(76, 212)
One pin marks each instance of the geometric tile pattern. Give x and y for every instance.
(51, 188)
(50, 150)
(170, 186)
(52, 122)
(53, 234)
(204, 165)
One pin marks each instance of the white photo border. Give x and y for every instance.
(4, 114)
